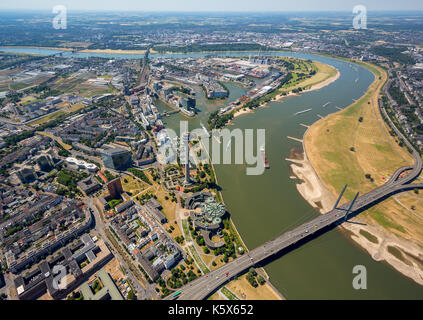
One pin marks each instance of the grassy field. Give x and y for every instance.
(328, 144)
(244, 291)
(300, 79)
(59, 140)
(229, 294)
(19, 85)
(29, 99)
(56, 114)
(78, 84)
(133, 186)
(198, 260)
(323, 73)
(185, 229)
(47, 118)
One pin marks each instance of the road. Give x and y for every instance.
(100, 227)
(204, 286)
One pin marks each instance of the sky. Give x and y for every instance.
(214, 5)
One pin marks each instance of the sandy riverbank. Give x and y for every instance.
(309, 187)
(280, 97)
(314, 87)
(379, 244)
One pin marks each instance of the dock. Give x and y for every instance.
(339, 108)
(301, 112)
(295, 139)
(304, 125)
(169, 113)
(321, 117)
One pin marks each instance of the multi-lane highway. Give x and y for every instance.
(204, 286)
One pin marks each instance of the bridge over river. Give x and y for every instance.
(204, 286)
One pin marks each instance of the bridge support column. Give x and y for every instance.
(340, 197)
(351, 205)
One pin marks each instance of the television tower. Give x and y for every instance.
(185, 139)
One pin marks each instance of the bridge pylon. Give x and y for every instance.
(340, 197)
(351, 205)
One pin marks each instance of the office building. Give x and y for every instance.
(115, 188)
(45, 163)
(117, 159)
(26, 175)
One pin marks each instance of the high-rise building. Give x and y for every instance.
(185, 141)
(45, 162)
(26, 175)
(115, 188)
(117, 159)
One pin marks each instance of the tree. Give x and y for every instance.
(252, 271)
(261, 280)
(131, 295)
(200, 240)
(252, 280)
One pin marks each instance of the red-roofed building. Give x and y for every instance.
(102, 176)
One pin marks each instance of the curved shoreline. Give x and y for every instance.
(316, 193)
(280, 97)
(241, 111)
(268, 283)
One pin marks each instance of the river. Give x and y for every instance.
(262, 207)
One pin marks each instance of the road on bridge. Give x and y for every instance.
(204, 286)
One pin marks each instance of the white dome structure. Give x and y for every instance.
(81, 164)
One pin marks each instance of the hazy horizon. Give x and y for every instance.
(264, 6)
